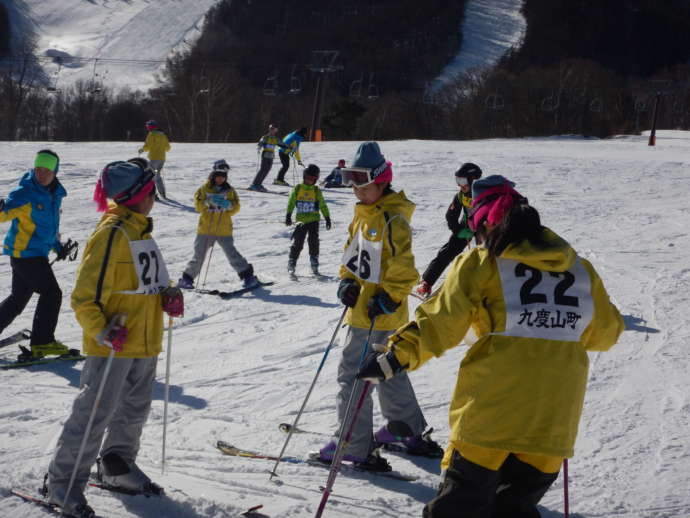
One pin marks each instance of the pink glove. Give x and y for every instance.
(116, 337)
(173, 301)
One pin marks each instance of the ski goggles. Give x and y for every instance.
(361, 176)
(462, 181)
(144, 179)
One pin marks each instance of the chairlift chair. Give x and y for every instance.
(372, 89)
(295, 83)
(494, 102)
(356, 87)
(271, 86)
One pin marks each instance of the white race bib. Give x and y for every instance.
(363, 258)
(150, 267)
(548, 305)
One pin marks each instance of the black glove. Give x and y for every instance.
(328, 223)
(379, 367)
(381, 304)
(288, 219)
(65, 249)
(348, 292)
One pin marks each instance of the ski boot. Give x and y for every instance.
(422, 445)
(314, 261)
(372, 462)
(75, 507)
(118, 474)
(292, 264)
(249, 280)
(281, 182)
(185, 282)
(422, 290)
(257, 187)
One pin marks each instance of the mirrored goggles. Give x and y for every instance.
(462, 181)
(357, 176)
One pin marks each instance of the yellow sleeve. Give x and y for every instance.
(234, 201)
(16, 212)
(398, 273)
(199, 199)
(441, 322)
(95, 279)
(607, 323)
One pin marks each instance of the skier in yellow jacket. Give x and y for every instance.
(217, 202)
(157, 145)
(377, 273)
(533, 308)
(119, 298)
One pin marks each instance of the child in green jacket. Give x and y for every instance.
(308, 200)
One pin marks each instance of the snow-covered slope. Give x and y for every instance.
(490, 28)
(240, 367)
(114, 31)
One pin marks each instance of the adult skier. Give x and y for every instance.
(377, 275)
(266, 147)
(291, 144)
(34, 207)
(217, 202)
(308, 199)
(456, 217)
(119, 298)
(157, 145)
(534, 308)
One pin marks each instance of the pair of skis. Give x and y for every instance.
(27, 361)
(225, 295)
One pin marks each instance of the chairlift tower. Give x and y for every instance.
(322, 63)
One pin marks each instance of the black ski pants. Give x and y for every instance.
(472, 491)
(33, 275)
(445, 255)
(266, 164)
(285, 165)
(298, 235)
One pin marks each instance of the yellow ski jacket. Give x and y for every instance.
(156, 144)
(534, 314)
(106, 270)
(214, 219)
(378, 255)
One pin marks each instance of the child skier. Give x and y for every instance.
(535, 308)
(290, 148)
(308, 200)
(217, 202)
(119, 298)
(266, 146)
(377, 275)
(34, 210)
(157, 145)
(335, 179)
(456, 216)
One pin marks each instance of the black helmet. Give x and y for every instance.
(311, 170)
(470, 171)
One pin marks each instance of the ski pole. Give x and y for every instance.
(304, 403)
(344, 440)
(294, 172)
(566, 504)
(120, 319)
(167, 391)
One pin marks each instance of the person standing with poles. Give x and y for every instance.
(119, 298)
(266, 147)
(456, 217)
(34, 207)
(157, 145)
(377, 275)
(535, 308)
(217, 202)
(289, 149)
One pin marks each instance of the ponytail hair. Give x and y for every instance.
(521, 223)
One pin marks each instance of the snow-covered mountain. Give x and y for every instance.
(240, 367)
(125, 41)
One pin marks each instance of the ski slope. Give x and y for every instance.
(240, 367)
(113, 33)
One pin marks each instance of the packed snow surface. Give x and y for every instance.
(240, 367)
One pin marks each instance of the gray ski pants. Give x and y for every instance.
(123, 411)
(201, 245)
(396, 395)
(157, 166)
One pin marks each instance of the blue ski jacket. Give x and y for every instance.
(35, 214)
